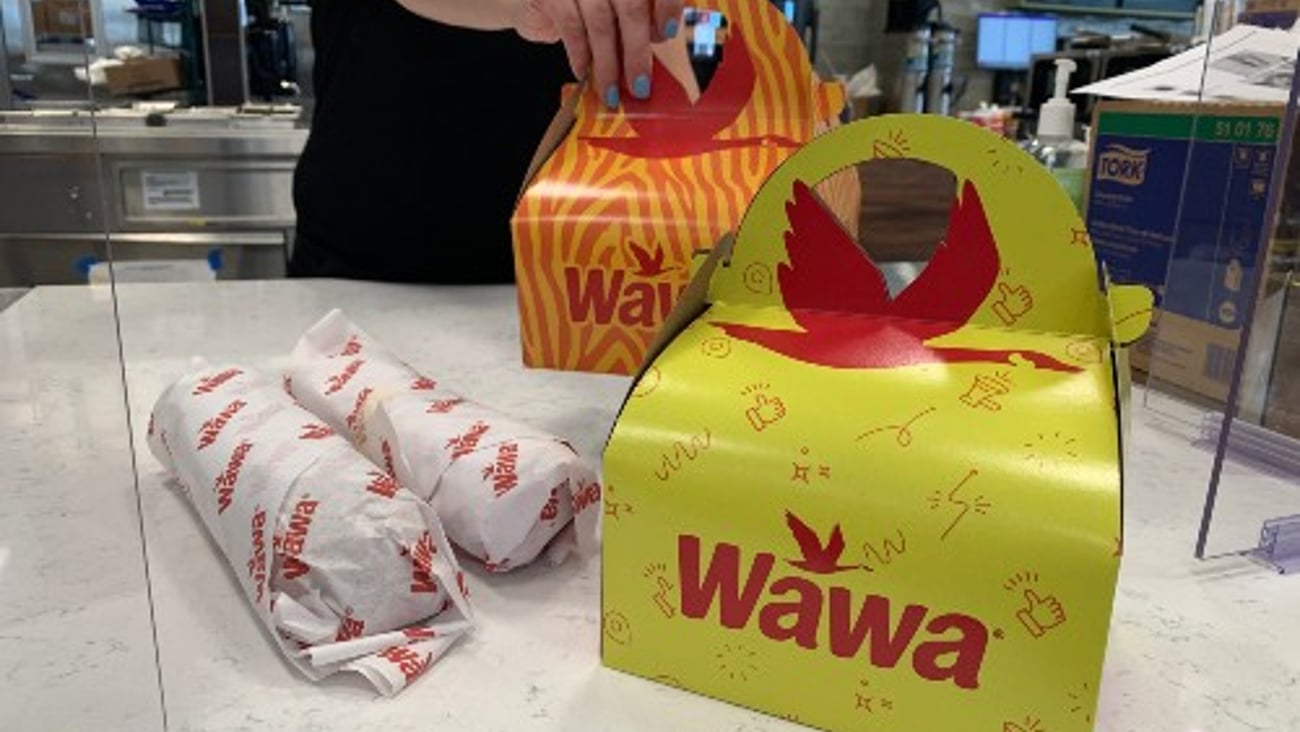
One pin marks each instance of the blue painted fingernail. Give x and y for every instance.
(611, 96)
(641, 86)
(670, 28)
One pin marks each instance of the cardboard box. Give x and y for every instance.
(62, 18)
(1202, 236)
(617, 203)
(862, 512)
(144, 75)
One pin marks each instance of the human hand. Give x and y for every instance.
(606, 39)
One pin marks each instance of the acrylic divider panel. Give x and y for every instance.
(77, 647)
(1221, 256)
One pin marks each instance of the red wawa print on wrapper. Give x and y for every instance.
(295, 538)
(830, 283)
(670, 125)
(411, 663)
(209, 384)
(941, 647)
(211, 429)
(225, 484)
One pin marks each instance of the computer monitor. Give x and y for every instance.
(1009, 42)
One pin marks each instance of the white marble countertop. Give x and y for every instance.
(1195, 646)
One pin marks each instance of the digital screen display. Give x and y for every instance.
(704, 32)
(1011, 41)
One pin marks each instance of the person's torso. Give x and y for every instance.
(420, 140)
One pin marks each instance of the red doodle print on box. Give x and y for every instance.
(209, 384)
(764, 411)
(757, 278)
(497, 567)
(295, 538)
(443, 406)
(1030, 724)
(1079, 237)
(467, 443)
(616, 627)
(211, 429)
(883, 554)
(1081, 702)
(225, 485)
(1047, 450)
(803, 471)
(1040, 613)
(503, 472)
(956, 497)
(986, 390)
(257, 560)
(868, 704)
(1002, 164)
(381, 484)
(648, 383)
(335, 383)
(424, 383)
(893, 145)
(716, 347)
(902, 432)
(683, 452)
(736, 661)
(1013, 303)
(614, 508)
(408, 661)
(461, 585)
(662, 597)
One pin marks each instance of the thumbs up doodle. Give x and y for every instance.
(765, 411)
(1040, 614)
(1013, 303)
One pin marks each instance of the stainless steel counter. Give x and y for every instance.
(72, 184)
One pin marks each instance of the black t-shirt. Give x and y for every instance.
(420, 140)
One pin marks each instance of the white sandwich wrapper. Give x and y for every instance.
(505, 491)
(348, 571)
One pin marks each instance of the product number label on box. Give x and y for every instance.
(170, 190)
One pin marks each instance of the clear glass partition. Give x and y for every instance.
(76, 630)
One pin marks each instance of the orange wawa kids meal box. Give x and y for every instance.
(861, 510)
(617, 202)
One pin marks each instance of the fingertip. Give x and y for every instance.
(670, 28)
(611, 96)
(641, 86)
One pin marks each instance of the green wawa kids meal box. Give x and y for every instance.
(866, 511)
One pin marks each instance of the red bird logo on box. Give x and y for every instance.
(648, 264)
(839, 298)
(817, 558)
(670, 125)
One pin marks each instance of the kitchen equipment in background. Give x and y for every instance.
(943, 54)
(272, 47)
(157, 185)
(916, 71)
